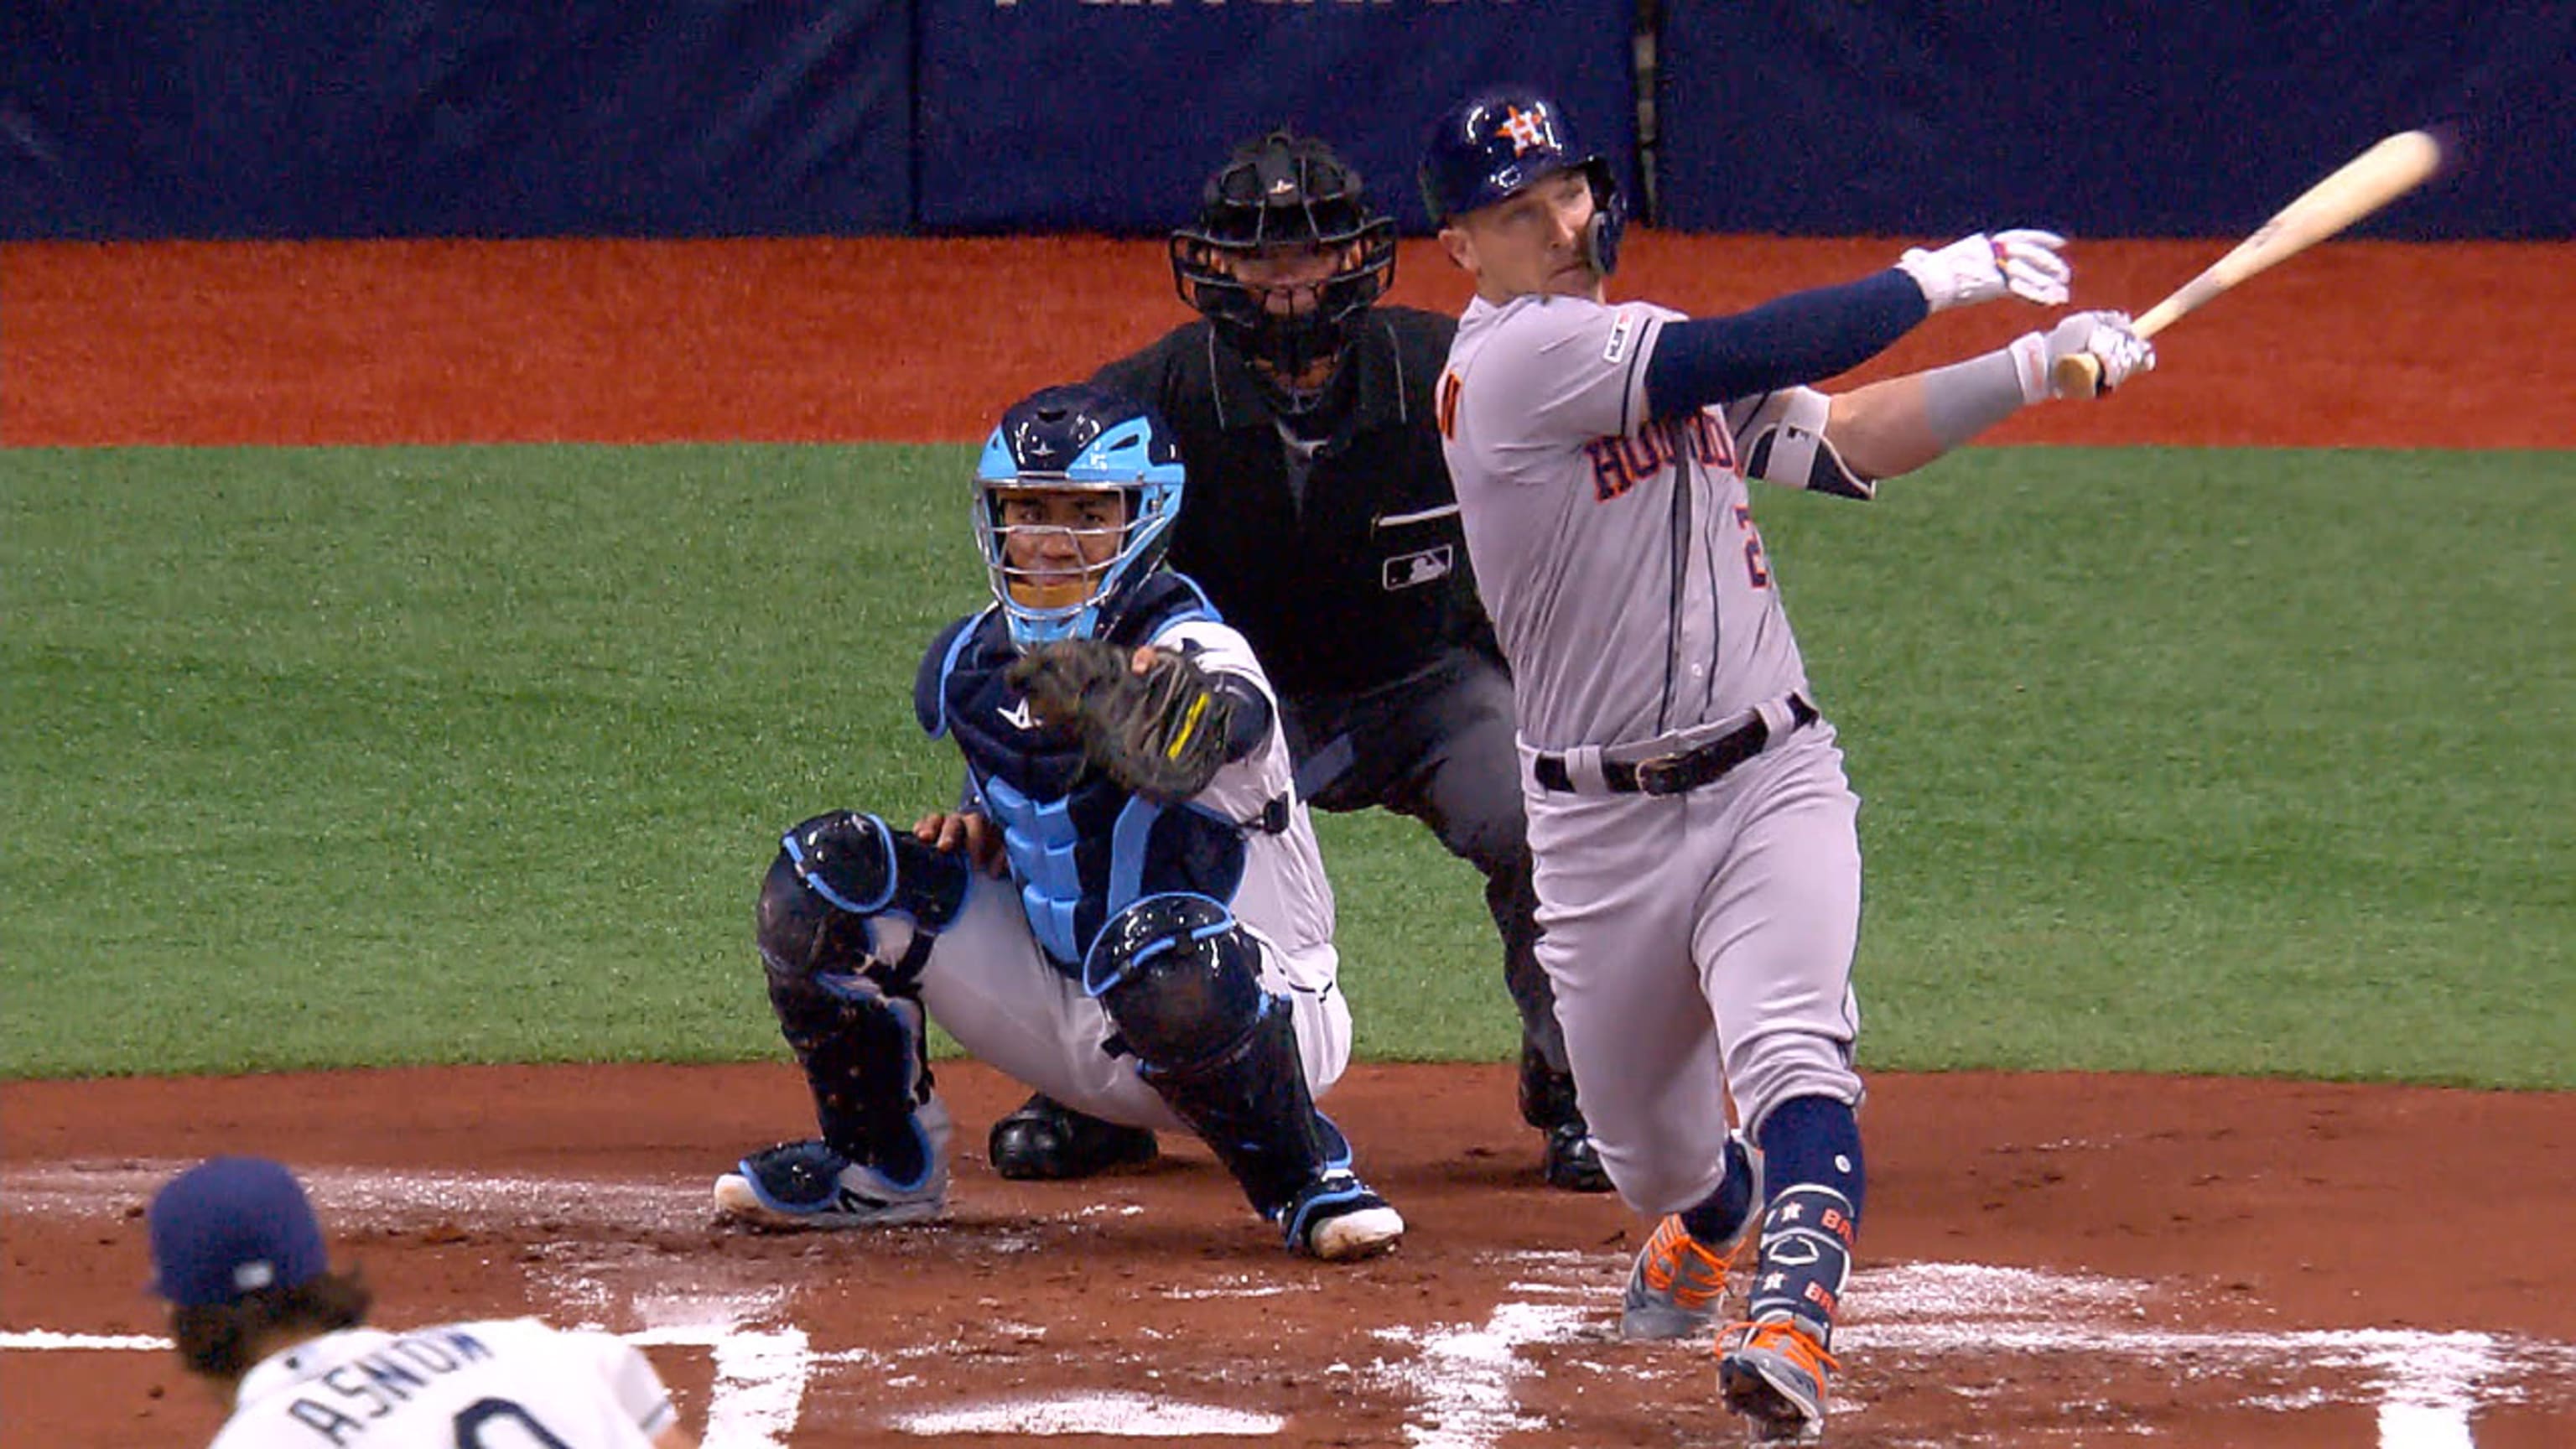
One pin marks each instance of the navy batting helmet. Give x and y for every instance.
(1077, 438)
(1492, 146)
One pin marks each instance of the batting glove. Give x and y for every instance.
(2116, 347)
(2020, 263)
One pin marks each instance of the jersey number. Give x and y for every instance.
(470, 1426)
(1757, 564)
(1448, 405)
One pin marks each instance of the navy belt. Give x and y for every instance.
(1684, 770)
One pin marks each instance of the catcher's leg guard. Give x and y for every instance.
(847, 914)
(848, 893)
(1182, 982)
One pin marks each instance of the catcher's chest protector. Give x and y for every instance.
(1081, 848)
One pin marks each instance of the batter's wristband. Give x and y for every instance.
(1966, 398)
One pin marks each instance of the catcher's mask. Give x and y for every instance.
(1285, 257)
(1068, 442)
(1493, 146)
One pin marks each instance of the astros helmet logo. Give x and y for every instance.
(1528, 129)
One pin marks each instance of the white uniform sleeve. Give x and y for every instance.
(1559, 371)
(630, 1378)
(1218, 649)
(1245, 788)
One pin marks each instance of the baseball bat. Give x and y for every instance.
(2357, 188)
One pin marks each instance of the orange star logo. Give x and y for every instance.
(1527, 129)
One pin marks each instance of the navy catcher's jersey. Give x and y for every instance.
(1080, 846)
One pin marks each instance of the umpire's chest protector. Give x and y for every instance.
(1358, 575)
(1081, 848)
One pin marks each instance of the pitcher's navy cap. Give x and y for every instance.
(230, 1226)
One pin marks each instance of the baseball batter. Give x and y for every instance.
(1698, 862)
(256, 1311)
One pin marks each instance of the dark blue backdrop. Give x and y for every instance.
(228, 118)
(233, 118)
(1109, 117)
(2117, 118)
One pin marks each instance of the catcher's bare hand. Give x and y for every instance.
(967, 832)
(1150, 718)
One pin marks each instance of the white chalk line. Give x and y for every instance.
(1462, 1378)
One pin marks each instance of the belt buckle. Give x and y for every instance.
(1663, 775)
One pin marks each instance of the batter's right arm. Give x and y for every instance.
(1898, 425)
(1805, 336)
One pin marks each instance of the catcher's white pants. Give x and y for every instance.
(1698, 943)
(988, 985)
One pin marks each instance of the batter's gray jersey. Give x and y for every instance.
(1616, 554)
(476, 1385)
(1700, 943)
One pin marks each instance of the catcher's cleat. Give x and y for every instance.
(1774, 1374)
(1674, 1288)
(810, 1185)
(1336, 1218)
(1045, 1140)
(1573, 1162)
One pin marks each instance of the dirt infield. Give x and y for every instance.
(2053, 1260)
(2048, 1260)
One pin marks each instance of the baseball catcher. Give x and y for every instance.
(1126, 910)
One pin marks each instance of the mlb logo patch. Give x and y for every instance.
(1412, 570)
(1621, 333)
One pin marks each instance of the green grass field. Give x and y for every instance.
(2206, 761)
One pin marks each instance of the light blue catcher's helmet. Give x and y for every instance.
(1077, 438)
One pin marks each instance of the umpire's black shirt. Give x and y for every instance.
(1353, 575)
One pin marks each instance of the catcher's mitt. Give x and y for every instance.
(1160, 733)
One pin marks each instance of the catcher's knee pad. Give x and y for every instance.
(1182, 981)
(1179, 976)
(848, 896)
